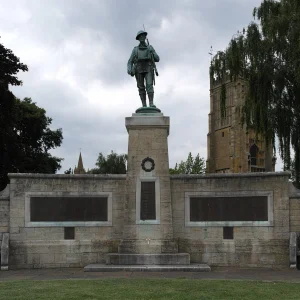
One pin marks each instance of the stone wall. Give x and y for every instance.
(4, 212)
(252, 246)
(261, 245)
(294, 209)
(45, 247)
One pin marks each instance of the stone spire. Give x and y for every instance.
(79, 169)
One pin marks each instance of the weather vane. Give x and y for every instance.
(211, 52)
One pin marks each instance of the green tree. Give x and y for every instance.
(25, 134)
(27, 140)
(31, 139)
(190, 166)
(69, 171)
(113, 163)
(10, 65)
(267, 56)
(7, 102)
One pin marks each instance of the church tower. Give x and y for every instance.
(79, 169)
(230, 147)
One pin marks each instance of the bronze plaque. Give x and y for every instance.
(148, 201)
(64, 209)
(205, 209)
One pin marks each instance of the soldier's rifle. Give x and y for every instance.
(152, 56)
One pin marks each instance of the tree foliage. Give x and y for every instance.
(190, 166)
(266, 55)
(25, 134)
(113, 163)
(10, 65)
(31, 138)
(26, 139)
(69, 171)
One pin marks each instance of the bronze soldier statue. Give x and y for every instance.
(141, 64)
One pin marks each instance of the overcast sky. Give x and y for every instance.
(77, 53)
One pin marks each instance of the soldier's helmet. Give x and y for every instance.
(139, 33)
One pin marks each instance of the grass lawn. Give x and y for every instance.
(144, 289)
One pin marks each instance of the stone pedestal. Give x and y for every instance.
(148, 243)
(148, 161)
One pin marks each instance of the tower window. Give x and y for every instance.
(253, 154)
(222, 133)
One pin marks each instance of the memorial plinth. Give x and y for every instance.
(148, 211)
(147, 243)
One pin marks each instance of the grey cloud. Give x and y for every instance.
(93, 133)
(113, 25)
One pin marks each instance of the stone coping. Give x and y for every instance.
(172, 177)
(69, 176)
(229, 175)
(143, 121)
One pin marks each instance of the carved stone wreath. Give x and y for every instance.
(148, 164)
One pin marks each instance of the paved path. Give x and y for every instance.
(224, 273)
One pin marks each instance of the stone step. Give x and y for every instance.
(148, 259)
(147, 268)
(151, 246)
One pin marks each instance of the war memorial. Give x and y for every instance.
(147, 219)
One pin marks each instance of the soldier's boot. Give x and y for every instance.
(143, 99)
(151, 96)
